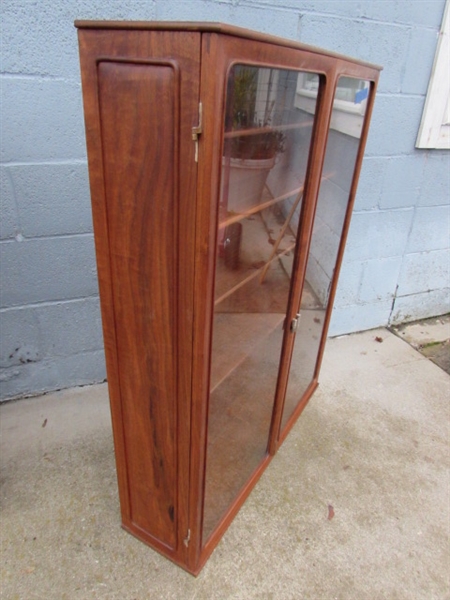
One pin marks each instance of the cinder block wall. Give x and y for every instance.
(396, 266)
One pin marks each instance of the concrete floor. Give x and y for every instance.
(373, 443)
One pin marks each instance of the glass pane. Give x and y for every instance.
(266, 147)
(342, 148)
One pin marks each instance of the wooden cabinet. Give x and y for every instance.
(223, 166)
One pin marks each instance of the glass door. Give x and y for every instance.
(346, 126)
(267, 137)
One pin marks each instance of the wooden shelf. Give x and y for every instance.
(258, 208)
(236, 337)
(268, 129)
(253, 275)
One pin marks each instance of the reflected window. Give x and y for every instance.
(349, 106)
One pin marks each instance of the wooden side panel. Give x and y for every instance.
(141, 101)
(139, 123)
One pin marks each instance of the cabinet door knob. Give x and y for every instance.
(294, 323)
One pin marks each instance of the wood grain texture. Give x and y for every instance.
(144, 87)
(223, 28)
(139, 141)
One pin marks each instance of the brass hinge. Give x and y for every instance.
(187, 538)
(197, 131)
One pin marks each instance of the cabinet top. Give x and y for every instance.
(212, 27)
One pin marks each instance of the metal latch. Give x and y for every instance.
(187, 539)
(294, 323)
(196, 131)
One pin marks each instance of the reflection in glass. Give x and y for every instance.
(265, 155)
(341, 152)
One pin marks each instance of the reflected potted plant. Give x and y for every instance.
(251, 145)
